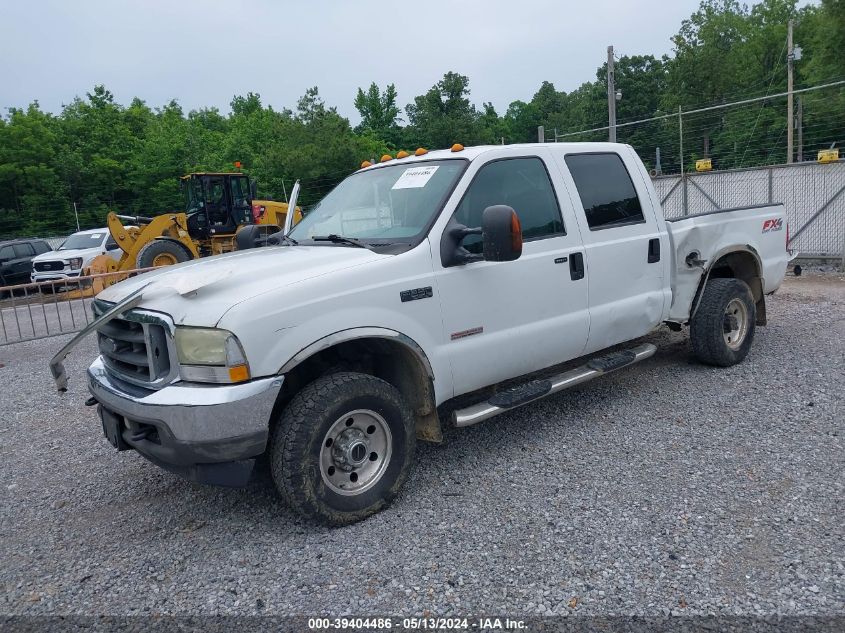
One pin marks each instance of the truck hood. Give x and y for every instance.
(200, 292)
(51, 256)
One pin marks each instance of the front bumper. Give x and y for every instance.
(206, 433)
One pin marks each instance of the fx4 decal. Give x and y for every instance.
(773, 225)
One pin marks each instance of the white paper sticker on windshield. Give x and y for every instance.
(96, 236)
(415, 177)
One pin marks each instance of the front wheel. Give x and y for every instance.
(343, 447)
(722, 328)
(162, 253)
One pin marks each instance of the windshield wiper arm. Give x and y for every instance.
(277, 239)
(340, 239)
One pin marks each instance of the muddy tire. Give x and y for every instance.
(342, 448)
(722, 328)
(161, 253)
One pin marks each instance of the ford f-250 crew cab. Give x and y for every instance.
(416, 280)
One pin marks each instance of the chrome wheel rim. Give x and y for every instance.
(355, 452)
(735, 324)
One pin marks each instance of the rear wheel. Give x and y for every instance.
(162, 253)
(343, 447)
(722, 328)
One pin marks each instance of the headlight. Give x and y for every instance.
(210, 355)
(75, 262)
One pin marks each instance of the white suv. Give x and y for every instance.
(75, 253)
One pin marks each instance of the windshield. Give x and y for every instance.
(83, 240)
(384, 204)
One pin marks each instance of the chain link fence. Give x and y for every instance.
(813, 194)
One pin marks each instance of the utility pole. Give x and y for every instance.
(541, 134)
(683, 178)
(611, 96)
(76, 215)
(800, 125)
(681, 137)
(790, 122)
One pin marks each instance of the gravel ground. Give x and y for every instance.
(667, 488)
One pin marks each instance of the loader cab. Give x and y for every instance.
(216, 204)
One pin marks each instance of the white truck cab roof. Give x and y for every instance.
(471, 153)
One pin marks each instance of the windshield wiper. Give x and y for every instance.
(340, 239)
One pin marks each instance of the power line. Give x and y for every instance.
(706, 109)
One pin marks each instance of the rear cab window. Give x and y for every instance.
(606, 190)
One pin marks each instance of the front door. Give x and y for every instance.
(217, 206)
(18, 263)
(504, 319)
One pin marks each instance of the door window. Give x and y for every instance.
(240, 191)
(42, 247)
(7, 253)
(24, 250)
(606, 190)
(216, 201)
(520, 183)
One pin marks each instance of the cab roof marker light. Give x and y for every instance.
(386, 158)
(421, 151)
(402, 154)
(366, 163)
(457, 147)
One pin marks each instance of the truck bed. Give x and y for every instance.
(760, 230)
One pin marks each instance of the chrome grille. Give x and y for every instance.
(136, 347)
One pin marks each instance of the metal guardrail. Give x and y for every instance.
(50, 308)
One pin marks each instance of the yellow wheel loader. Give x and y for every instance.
(217, 205)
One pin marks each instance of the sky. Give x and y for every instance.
(202, 52)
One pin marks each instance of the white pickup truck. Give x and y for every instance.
(419, 279)
(75, 254)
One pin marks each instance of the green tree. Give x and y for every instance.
(379, 113)
(444, 115)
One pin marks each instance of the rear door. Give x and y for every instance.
(504, 319)
(625, 249)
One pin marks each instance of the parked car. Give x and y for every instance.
(74, 254)
(416, 281)
(16, 259)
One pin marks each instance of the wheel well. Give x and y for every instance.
(745, 266)
(392, 361)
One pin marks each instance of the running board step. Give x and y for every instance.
(536, 389)
(521, 394)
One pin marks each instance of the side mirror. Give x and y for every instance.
(247, 237)
(501, 234)
(255, 235)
